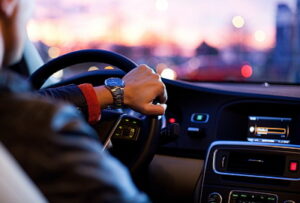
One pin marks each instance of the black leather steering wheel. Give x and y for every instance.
(137, 149)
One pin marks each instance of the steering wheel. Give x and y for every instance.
(134, 137)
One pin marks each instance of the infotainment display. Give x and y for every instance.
(269, 129)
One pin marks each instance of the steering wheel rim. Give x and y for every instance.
(39, 77)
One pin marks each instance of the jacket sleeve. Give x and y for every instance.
(63, 156)
(82, 96)
(69, 93)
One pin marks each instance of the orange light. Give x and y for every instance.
(246, 71)
(109, 68)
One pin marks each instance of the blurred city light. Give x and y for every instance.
(169, 74)
(162, 5)
(53, 52)
(238, 21)
(246, 71)
(109, 68)
(170, 34)
(93, 68)
(58, 75)
(260, 36)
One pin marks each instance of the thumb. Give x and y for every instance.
(155, 109)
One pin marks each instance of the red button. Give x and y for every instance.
(172, 120)
(293, 166)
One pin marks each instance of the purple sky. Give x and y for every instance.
(132, 22)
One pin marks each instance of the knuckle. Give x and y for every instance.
(161, 84)
(143, 67)
(156, 76)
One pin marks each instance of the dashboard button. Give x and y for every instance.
(293, 166)
(194, 131)
(214, 197)
(289, 201)
(199, 118)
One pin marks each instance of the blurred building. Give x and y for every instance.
(281, 59)
(295, 70)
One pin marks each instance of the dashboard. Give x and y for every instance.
(227, 143)
(245, 137)
(206, 114)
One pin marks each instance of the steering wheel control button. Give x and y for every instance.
(199, 118)
(128, 129)
(214, 198)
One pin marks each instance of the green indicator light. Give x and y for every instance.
(127, 120)
(134, 122)
(243, 195)
(271, 198)
(199, 117)
(235, 195)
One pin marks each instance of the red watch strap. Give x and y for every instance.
(93, 104)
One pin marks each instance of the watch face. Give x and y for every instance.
(112, 82)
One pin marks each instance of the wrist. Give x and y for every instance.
(104, 96)
(116, 87)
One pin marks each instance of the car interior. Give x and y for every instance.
(232, 136)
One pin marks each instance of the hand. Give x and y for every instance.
(142, 87)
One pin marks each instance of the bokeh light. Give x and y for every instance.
(238, 21)
(260, 36)
(162, 5)
(246, 71)
(53, 52)
(93, 68)
(169, 74)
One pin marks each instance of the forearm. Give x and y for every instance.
(88, 99)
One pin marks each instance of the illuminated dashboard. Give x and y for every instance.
(267, 122)
(269, 129)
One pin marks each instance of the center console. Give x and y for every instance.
(253, 172)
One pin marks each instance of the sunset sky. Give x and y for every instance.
(185, 23)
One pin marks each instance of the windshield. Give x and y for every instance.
(196, 40)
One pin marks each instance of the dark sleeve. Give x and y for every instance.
(63, 156)
(69, 93)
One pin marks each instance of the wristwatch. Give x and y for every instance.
(116, 87)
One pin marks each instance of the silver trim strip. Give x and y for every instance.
(193, 129)
(271, 145)
(249, 175)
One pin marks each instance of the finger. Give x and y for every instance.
(163, 96)
(155, 109)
